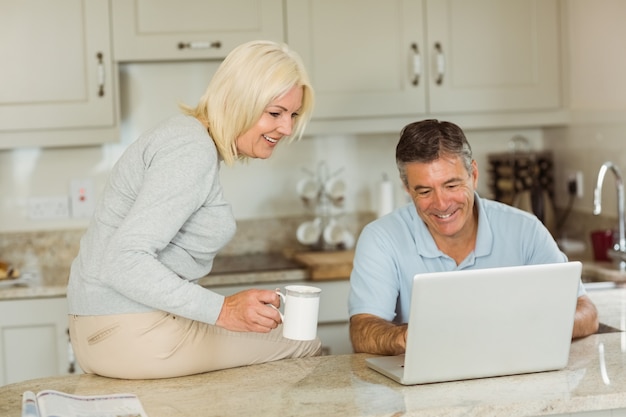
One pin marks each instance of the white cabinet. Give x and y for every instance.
(493, 55)
(34, 341)
(381, 58)
(333, 322)
(57, 75)
(147, 30)
(360, 55)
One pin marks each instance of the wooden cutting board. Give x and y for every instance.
(326, 265)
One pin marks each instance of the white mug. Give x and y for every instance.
(309, 233)
(333, 233)
(335, 189)
(302, 304)
(308, 189)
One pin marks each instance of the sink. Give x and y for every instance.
(597, 272)
(591, 285)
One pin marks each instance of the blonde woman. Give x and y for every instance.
(135, 311)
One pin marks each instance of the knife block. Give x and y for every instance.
(511, 173)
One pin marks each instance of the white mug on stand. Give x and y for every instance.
(301, 310)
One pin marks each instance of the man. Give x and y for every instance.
(447, 227)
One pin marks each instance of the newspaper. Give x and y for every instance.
(51, 403)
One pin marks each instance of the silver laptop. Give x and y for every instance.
(486, 322)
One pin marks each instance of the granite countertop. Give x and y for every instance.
(343, 385)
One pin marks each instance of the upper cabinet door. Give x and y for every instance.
(147, 30)
(378, 59)
(364, 57)
(56, 67)
(493, 55)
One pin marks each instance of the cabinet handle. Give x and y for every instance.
(71, 359)
(441, 63)
(100, 74)
(417, 64)
(199, 45)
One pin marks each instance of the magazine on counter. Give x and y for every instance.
(51, 403)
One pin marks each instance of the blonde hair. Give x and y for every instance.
(252, 76)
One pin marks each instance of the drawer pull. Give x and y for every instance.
(71, 359)
(200, 45)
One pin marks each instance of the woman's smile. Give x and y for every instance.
(270, 140)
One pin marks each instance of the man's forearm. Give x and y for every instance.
(371, 334)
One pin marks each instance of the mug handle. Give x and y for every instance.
(282, 299)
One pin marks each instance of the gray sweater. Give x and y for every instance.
(158, 225)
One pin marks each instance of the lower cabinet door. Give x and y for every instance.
(34, 341)
(335, 338)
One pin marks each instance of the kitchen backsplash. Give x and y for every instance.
(579, 226)
(55, 250)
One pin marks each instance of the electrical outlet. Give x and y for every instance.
(575, 182)
(48, 208)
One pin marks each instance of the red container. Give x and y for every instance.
(602, 241)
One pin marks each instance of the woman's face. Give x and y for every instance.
(276, 122)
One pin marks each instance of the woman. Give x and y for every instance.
(135, 311)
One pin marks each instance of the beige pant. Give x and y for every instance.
(161, 345)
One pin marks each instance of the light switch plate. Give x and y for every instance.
(82, 197)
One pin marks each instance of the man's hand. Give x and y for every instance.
(586, 318)
(250, 311)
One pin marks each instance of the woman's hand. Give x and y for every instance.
(248, 311)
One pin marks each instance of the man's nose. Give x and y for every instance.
(439, 198)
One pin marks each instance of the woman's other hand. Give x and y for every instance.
(248, 311)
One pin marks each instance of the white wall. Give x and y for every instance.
(596, 58)
(261, 189)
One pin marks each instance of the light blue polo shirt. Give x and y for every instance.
(395, 247)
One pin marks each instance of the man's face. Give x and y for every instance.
(443, 193)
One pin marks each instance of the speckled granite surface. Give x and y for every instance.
(343, 386)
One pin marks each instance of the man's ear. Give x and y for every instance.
(475, 173)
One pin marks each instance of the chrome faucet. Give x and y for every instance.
(619, 250)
